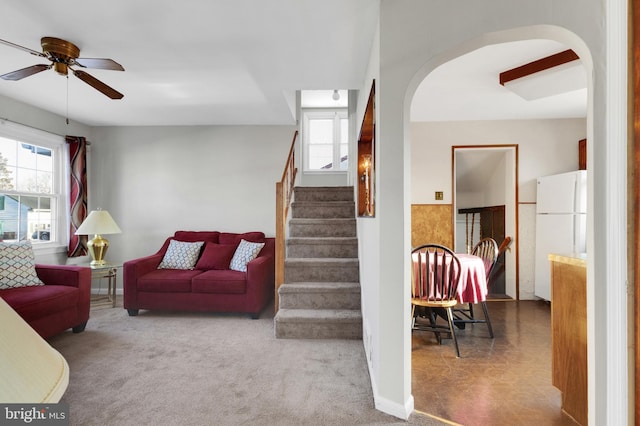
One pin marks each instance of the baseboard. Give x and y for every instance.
(386, 406)
(398, 410)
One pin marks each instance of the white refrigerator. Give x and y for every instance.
(561, 223)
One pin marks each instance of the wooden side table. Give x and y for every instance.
(108, 271)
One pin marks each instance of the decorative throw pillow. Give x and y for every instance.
(244, 254)
(17, 265)
(181, 255)
(216, 256)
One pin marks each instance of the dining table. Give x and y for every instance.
(473, 281)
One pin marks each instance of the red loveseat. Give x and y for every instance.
(211, 286)
(62, 303)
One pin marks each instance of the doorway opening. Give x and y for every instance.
(485, 204)
(443, 120)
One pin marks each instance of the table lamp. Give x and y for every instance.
(98, 222)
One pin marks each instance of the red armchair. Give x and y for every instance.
(62, 303)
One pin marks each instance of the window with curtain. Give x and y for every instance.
(326, 140)
(32, 195)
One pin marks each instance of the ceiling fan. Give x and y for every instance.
(64, 55)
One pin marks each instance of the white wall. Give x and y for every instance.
(382, 368)
(157, 180)
(37, 118)
(545, 147)
(496, 191)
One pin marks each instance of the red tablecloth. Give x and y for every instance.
(473, 280)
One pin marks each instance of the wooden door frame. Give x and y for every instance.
(516, 244)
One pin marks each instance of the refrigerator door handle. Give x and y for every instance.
(576, 200)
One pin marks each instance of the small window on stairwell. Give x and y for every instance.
(326, 140)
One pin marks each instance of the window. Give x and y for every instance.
(326, 140)
(31, 181)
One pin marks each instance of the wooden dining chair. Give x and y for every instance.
(487, 249)
(504, 246)
(434, 286)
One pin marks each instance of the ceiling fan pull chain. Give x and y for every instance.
(67, 99)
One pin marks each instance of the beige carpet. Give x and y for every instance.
(165, 368)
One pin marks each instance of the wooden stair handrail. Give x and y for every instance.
(284, 193)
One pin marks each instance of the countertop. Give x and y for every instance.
(576, 259)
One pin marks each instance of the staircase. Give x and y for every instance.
(320, 296)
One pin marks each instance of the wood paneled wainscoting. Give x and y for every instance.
(432, 223)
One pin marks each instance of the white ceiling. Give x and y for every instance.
(190, 62)
(468, 87)
(200, 62)
(475, 167)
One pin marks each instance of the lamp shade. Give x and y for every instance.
(98, 222)
(32, 371)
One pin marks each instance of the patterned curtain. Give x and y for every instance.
(77, 194)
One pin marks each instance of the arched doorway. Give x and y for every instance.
(438, 131)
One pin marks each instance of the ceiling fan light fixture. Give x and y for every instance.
(61, 68)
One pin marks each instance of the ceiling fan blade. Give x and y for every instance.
(25, 72)
(99, 63)
(97, 84)
(26, 49)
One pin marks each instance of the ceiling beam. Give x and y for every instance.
(537, 66)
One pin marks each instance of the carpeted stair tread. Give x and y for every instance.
(320, 295)
(310, 287)
(322, 221)
(326, 227)
(323, 209)
(322, 240)
(323, 203)
(322, 247)
(318, 324)
(315, 315)
(321, 261)
(324, 193)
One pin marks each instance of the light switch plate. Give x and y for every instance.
(439, 195)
